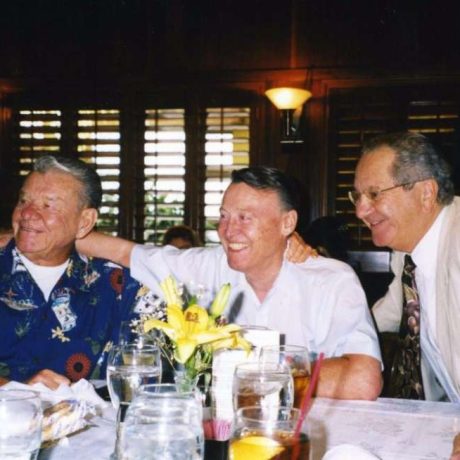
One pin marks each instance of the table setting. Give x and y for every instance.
(189, 386)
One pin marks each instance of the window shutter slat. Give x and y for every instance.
(227, 148)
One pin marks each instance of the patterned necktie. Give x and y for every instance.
(406, 380)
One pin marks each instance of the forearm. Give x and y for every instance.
(108, 247)
(456, 448)
(350, 377)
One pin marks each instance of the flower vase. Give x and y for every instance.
(183, 376)
(189, 380)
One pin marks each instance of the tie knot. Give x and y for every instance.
(409, 265)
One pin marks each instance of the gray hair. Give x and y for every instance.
(416, 159)
(81, 171)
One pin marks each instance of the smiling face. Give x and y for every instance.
(253, 229)
(399, 217)
(49, 217)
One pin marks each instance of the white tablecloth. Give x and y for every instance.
(390, 429)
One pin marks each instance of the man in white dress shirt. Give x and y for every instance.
(318, 303)
(404, 194)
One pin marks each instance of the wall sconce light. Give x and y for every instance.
(290, 102)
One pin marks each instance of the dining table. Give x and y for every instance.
(390, 429)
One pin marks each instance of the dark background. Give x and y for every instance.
(352, 55)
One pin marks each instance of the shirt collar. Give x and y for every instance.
(425, 253)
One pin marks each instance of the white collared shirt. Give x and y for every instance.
(319, 303)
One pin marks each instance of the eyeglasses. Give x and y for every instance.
(373, 195)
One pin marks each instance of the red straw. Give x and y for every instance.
(306, 400)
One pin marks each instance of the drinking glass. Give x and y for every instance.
(163, 425)
(261, 434)
(128, 367)
(262, 384)
(297, 359)
(177, 390)
(20, 424)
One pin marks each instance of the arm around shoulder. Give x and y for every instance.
(97, 244)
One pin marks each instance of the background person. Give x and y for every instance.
(182, 237)
(318, 303)
(404, 194)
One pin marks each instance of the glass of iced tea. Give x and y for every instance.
(268, 385)
(297, 359)
(268, 435)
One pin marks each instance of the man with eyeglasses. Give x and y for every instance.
(405, 195)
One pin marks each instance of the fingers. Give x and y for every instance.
(49, 378)
(298, 251)
(456, 448)
(5, 238)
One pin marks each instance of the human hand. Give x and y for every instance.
(49, 378)
(297, 250)
(456, 448)
(5, 237)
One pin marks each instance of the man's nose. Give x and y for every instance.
(363, 207)
(29, 211)
(230, 226)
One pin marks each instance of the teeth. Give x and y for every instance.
(236, 246)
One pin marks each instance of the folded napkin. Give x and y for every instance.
(66, 409)
(348, 452)
(80, 391)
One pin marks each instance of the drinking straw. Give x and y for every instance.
(306, 400)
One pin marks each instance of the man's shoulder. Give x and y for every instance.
(322, 266)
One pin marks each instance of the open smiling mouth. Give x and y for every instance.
(237, 246)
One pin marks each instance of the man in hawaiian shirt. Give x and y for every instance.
(60, 312)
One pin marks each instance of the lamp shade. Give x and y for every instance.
(287, 98)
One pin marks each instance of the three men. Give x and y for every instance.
(404, 194)
(59, 312)
(318, 303)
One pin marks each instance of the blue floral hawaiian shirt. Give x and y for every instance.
(72, 332)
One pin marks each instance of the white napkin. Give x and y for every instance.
(80, 391)
(348, 452)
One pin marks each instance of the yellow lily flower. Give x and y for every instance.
(189, 329)
(232, 342)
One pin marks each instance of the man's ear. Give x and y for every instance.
(289, 222)
(88, 218)
(429, 194)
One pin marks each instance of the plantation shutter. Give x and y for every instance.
(227, 148)
(164, 171)
(38, 132)
(99, 145)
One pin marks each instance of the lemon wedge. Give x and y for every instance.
(255, 448)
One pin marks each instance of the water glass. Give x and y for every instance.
(258, 384)
(177, 390)
(163, 426)
(128, 367)
(20, 424)
(297, 359)
(262, 434)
